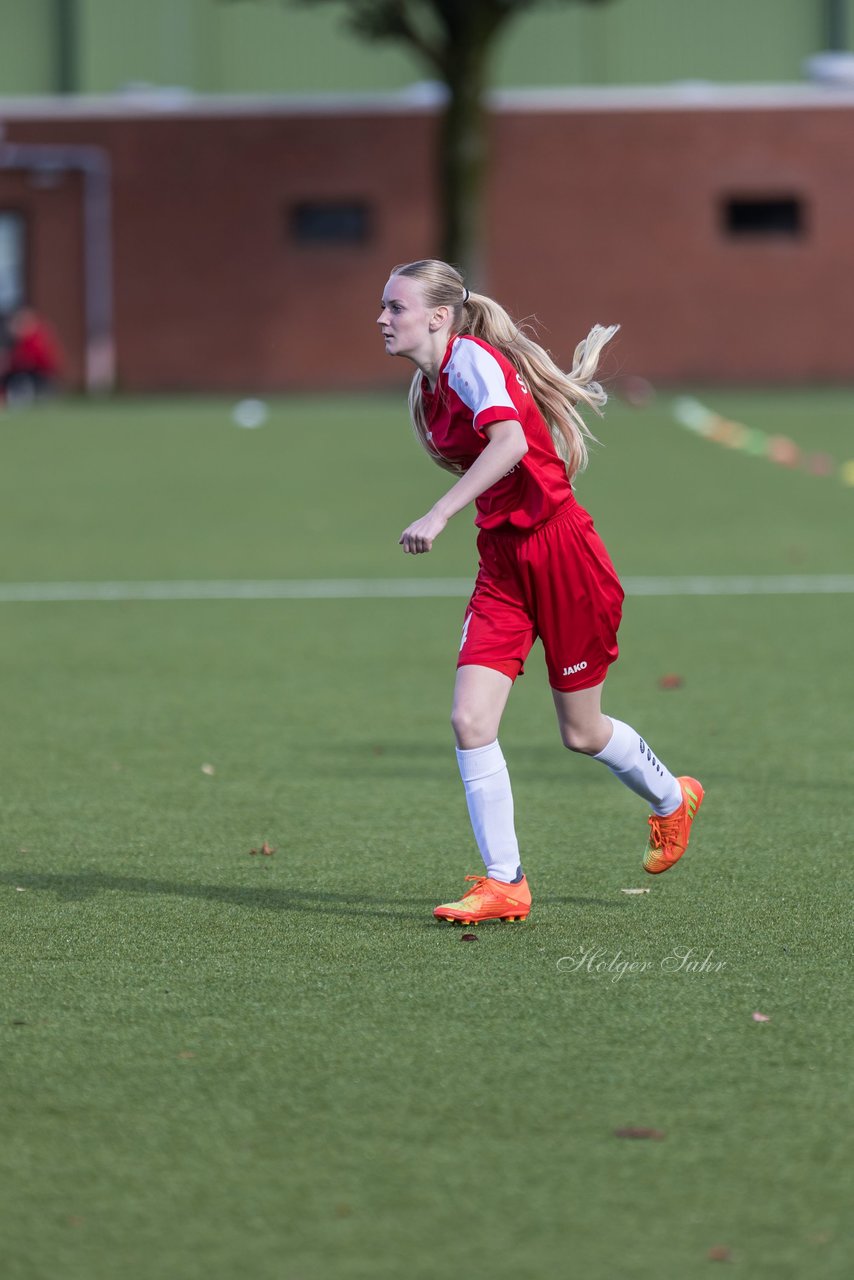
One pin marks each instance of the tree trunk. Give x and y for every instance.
(462, 161)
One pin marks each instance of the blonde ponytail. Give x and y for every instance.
(555, 393)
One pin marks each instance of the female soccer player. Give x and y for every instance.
(489, 405)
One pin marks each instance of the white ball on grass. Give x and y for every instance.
(249, 413)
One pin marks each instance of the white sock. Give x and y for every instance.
(490, 801)
(632, 761)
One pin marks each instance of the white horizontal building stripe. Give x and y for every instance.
(396, 588)
(428, 96)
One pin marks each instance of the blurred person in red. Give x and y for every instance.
(32, 363)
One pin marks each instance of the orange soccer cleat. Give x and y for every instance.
(669, 836)
(488, 900)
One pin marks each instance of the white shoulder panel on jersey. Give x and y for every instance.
(478, 378)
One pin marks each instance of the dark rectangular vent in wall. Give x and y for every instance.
(763, 216)
(330, 222)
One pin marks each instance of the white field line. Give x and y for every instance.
(398, 588)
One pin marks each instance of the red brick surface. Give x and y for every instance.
(599, 215)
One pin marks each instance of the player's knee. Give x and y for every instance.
(471, 727)
(580, 738)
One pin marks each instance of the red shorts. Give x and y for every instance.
(557, 583)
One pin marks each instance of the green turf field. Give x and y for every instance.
(219, 1064)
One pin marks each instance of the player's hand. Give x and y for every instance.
(420, 536)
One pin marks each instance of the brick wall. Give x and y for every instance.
(595, 214)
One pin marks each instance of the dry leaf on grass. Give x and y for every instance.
(719, 1253)
(670, 681)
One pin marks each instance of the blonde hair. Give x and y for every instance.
(555, 393)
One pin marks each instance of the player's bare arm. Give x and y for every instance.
(507, 446)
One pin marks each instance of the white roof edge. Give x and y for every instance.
(155, 102)
(425, 98)
(688, 95)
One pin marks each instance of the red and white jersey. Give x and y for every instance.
(478, 386)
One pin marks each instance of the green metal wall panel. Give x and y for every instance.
(161, 42)
(654, 41)
(273, 46)
(28, 60)
(276, 48)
